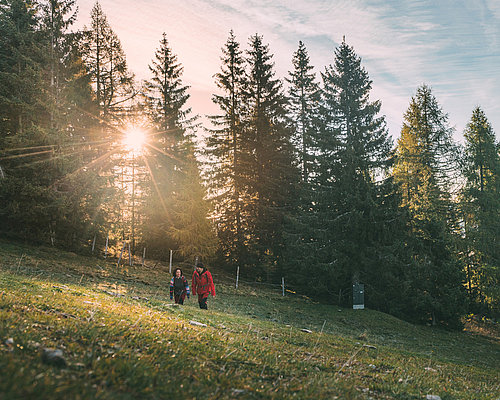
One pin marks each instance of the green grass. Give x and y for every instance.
(138, 346)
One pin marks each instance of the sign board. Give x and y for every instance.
(358, 296)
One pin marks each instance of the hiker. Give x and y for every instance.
(179, 287)
(202, 285)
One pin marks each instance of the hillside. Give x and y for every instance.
(121, 338)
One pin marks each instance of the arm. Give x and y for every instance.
(193, 283)
(186, 287)
(171, 288)
(211, 282)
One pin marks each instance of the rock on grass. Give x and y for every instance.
(53, 357)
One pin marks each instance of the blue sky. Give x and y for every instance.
(451, 45)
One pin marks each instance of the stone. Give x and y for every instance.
(432, 397)
(306, 330)
(53, 357)
(196, 323)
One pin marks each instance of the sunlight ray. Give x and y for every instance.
(164, 153)
(26, 155)
(157, 190)
(57, 157)
(80, 143)
(93, 162)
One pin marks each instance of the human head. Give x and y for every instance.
(200, 267)
(177, 272)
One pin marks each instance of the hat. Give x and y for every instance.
(199, 264)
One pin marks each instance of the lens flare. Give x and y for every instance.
(134, 140)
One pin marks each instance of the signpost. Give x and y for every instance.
(358, 296)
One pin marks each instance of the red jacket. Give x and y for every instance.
(203, 284)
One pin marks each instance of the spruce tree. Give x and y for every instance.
(270, 172)
(353, 153)
(424, 159)
(223, 151)
(304, 103)
(26, 202)
(107, 66)
(56, 17)
(304, 96)
(21, 64)
(481, 207)
(176, 212)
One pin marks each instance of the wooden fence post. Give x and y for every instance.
(106, 248)
(129, 255)
(121, 254)
(170, 265)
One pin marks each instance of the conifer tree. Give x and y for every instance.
(166, 97)
(107, 66)
(304, 103)
(23, 191)
(353, 153)
(55, 23)
(21, 61)
(270, 172)
(481, 207)
(304, 96)
(176, 212)
(425, 156)
(225, 164)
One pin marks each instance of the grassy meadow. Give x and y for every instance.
(122, 338)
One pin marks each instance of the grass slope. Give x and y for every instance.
(122, 338)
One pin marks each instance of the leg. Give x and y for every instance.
(176, 298)
(182, 297)
(202, 301)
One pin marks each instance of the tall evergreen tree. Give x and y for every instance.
(176, 213)
(270, 172)
(57, 17)
(304, 95)
(166, 97)
(107, 65)
(353, 151)
(304, 103)
(224, 172)
(24, 191)
(425, 154)
(21, 64)
(481, 207)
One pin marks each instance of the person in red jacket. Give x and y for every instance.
(202, 285)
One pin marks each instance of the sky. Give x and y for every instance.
(451, 45)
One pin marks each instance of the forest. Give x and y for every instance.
(294, 177)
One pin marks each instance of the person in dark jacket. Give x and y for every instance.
(179, 287)
(203, 285)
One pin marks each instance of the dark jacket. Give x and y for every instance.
(185, 285)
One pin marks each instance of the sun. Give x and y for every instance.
(134, 139)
